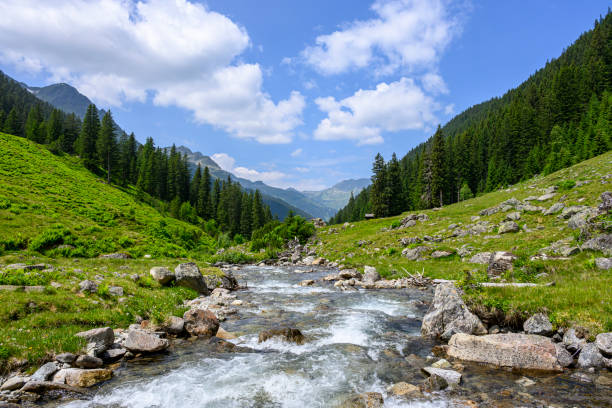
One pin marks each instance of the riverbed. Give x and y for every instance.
(356, 341)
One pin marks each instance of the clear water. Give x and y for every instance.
(355, 342)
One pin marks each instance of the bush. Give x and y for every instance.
(395, 224)
(50, 237)
(275, 234)
(238, 239)
(14, 243)
(566, 185)
(233, 257)
(224, 241)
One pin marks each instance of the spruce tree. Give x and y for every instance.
(195, 186)
(379, 192)
(203, 204)
(34, 127)
(70, 132)
(54, 127)
(11, 123)
(438, 167)
(394, 186)
(258, 217)
(106, 145)
(85, 145)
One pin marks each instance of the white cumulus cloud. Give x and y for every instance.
(123, 50)
(408, 34)
(296, 152)
(364, 116)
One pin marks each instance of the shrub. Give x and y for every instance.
(274, 234)
(50, 237)
(233, 257)
(14, 243)
(238, 239)
(566, 185)
(4, 204)
(103, 291)
(395, 224)
(224, 241)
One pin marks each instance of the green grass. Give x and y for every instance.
(582, 295)
(34, 326)
(52, 205)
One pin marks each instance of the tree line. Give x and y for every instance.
(558, 117)
(161, 176)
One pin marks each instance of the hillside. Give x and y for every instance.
(54, 205)
(442, 244)
(559, 116)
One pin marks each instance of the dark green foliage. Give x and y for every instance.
(50, 237)
(275, 234)
(558, 117)
(85, 145)
(106, 145)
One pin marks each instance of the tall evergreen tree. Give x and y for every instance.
(379, 193)
(11, 123)
(394, 186)
(106, 145)
(85, 145)
(438, 167)
(34, 126)
(54, 127)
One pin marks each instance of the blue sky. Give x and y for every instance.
(299, 94)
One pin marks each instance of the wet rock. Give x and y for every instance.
(539, 323)
(188, 275)
(319, 261)
(564, 358)
(100, 339)
(553, 209)
(507, 227)
(85, 361)
(219, 345)
(77, 377)
(525, 382)
(450, 376)
(603, 341)
(307, 282)
(88, 286)
(435, 383)
(522, 351)
(604, 381)
(285, 334)
(14, 383)
(225, 335)
(201, 323)
(112, 355)
(45, 372)
(162, 275)
(442, 363)
(173, 325)
(601, 243)
(40, 387)
(67, 358)
(365, 400)
(590, 357)
(140, 341)
(404, 389)
(449, 313)
(415, 254)
(349, 274)
(370, 274)
(220, 292)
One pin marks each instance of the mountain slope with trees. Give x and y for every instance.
(560, 116)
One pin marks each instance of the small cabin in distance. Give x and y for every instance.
(369, 216)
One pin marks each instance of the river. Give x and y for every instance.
(357, 341)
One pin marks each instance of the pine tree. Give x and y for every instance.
(394, 186)
(246, 215)
(54, 127)
(85, 145)
(107, 145)
(438, 166)
(203, 203)
(34, 126)
(70, 133)
(195, 186)
(379, 192)
(258, 217)
(11, 123)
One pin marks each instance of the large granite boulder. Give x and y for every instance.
(99, 339)
(448, 314)
(78, 377)
(601, 243)
(140, 341)
(603, 341)
(201, 323)
(522, 351)
(189, 275)
(370, 274)
(45, 372)
(590, 356)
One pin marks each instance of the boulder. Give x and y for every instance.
(481, 258)
(286, 334)
(513, 216)
(450, 376)
(564, 358)
(40, 387)
(603, 341)
(115, 290)
(539, 323)
(201, 323)
(112, 355)
(85, 361)
(507, 227)
(404, 389)
(189, 275)
(601, 243)
(173, 325)
(77, 377)
(370, 274)
(45, 372)
(571, 340)
(440, 254)
(365, 400)
(88, 286)
(578, 221)
(603, 263)
(448, 314)
(414, 254)
(67, 358)
(606, 203)
(101, 338)
(349, 274)
(500, 262)
(307, 282)
(590, 356)
(140, 341)
(546, 197)
(14, 383)
(117, 255)
(225, 335)
(553, 209)
(522, 351)
(318, 261)
(162, 275)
